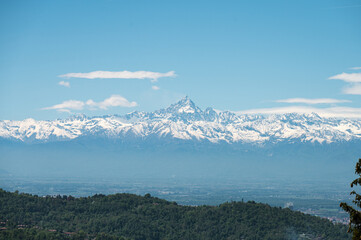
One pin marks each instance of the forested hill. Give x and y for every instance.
(128, 216)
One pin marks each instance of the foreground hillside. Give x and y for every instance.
(127, 216)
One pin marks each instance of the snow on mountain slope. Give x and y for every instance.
(184, 120)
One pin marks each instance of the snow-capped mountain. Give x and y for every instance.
(184, 120)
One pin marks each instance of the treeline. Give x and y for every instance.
(38, 234)
(128, 216)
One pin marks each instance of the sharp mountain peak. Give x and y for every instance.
(184, 120)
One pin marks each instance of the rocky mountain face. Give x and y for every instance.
(184, 120)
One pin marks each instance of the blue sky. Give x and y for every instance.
(247, 56)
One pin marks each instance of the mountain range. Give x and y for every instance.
(185, 121)
(182, 140)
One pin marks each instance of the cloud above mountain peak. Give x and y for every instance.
(112, 101)
(312, 100)
(348, 77)
(154, 76)
(353, 79)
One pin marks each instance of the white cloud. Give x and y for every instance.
(113, 101)
(355, 68)
(63, 83)
(312, 101)
(122, 75)
(67, 105)
(336, 112)
(348, 77)
(155, 88)
(354, 89)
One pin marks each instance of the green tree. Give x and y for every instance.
(355, 215)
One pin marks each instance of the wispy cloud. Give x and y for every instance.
(336, 112)
(67, 106)
(355, 68)
(355, 89)
(354, 80)
(63, 83)
(112, 101)
(155, 88)
(348, 77)
(121, 75)
(312, 101)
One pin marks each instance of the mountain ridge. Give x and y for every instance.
(185, 120)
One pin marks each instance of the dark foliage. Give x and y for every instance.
(135, 217)
(355, 215)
